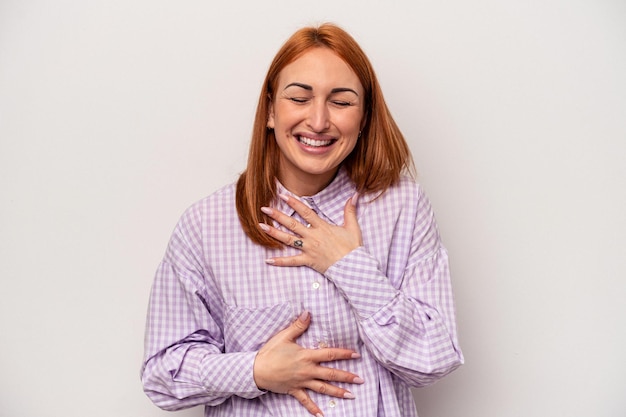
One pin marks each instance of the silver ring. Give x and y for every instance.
(308, 225)
(297, 243)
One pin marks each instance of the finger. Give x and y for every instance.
(298, 326)
(306, 402)
(349, 212)
(283, 237)
(297, 260)
(289, 222)
(325, 388)
(332, 354)
(336, 375)
(306, 212)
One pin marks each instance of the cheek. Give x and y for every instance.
(351, 127)
(351, 121)
(285, 114)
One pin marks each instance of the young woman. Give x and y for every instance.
(317, 284)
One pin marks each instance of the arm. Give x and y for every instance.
(406, 321)
(184, 364)
(410, 330)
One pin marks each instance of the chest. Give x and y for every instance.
(258, 300)
(255, 300)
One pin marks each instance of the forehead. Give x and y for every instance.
(320, 68)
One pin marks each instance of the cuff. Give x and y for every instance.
(359, 279)
(233, 376)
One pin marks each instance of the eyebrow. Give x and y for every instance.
(333, 91)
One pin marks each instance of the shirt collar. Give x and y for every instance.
(328, 203)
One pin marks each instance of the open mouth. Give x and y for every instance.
(315, 143)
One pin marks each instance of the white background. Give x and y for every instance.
(117, 115)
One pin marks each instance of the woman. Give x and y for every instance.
(318, 283)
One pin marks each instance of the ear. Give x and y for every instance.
(270, 114)
(364, 120)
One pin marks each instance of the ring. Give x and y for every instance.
(297, 243)
(308, 225)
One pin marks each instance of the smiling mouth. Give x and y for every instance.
(314, 142)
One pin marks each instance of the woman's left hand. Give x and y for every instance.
(321, 243)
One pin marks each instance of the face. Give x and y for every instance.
(316, 114)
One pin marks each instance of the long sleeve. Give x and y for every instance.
(184, 363)
(215, 302)
(406, 318)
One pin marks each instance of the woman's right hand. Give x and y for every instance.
(282, 366)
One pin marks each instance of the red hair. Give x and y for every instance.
(376, 162)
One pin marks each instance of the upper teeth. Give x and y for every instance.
(314, 142)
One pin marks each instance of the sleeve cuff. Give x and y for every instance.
(233, 376)
(358, 278)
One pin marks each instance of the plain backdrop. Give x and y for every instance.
(117, 115)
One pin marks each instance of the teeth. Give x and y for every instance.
(314, 142)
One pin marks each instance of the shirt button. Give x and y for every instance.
(332, 403)
(316, 285)
(322, 345)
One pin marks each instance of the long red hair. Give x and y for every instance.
(377, 161)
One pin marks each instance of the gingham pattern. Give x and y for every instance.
(215, 302)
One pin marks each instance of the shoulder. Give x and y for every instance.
(218, 207)
(222, 198)
(406, 201)
(405, 191)
(408, 185)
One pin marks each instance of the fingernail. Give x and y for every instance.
(270, 261)
(349, 396)
(356, 355)
(304, 316)
(267, 210)
(284, 197)
(264, 227)
(319, 415)
(358, 380)
(354, 199)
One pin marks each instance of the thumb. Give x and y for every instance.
(349, 212)
(299, 326)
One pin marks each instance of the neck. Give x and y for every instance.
(303, 184)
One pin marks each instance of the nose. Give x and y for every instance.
(319, 117)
